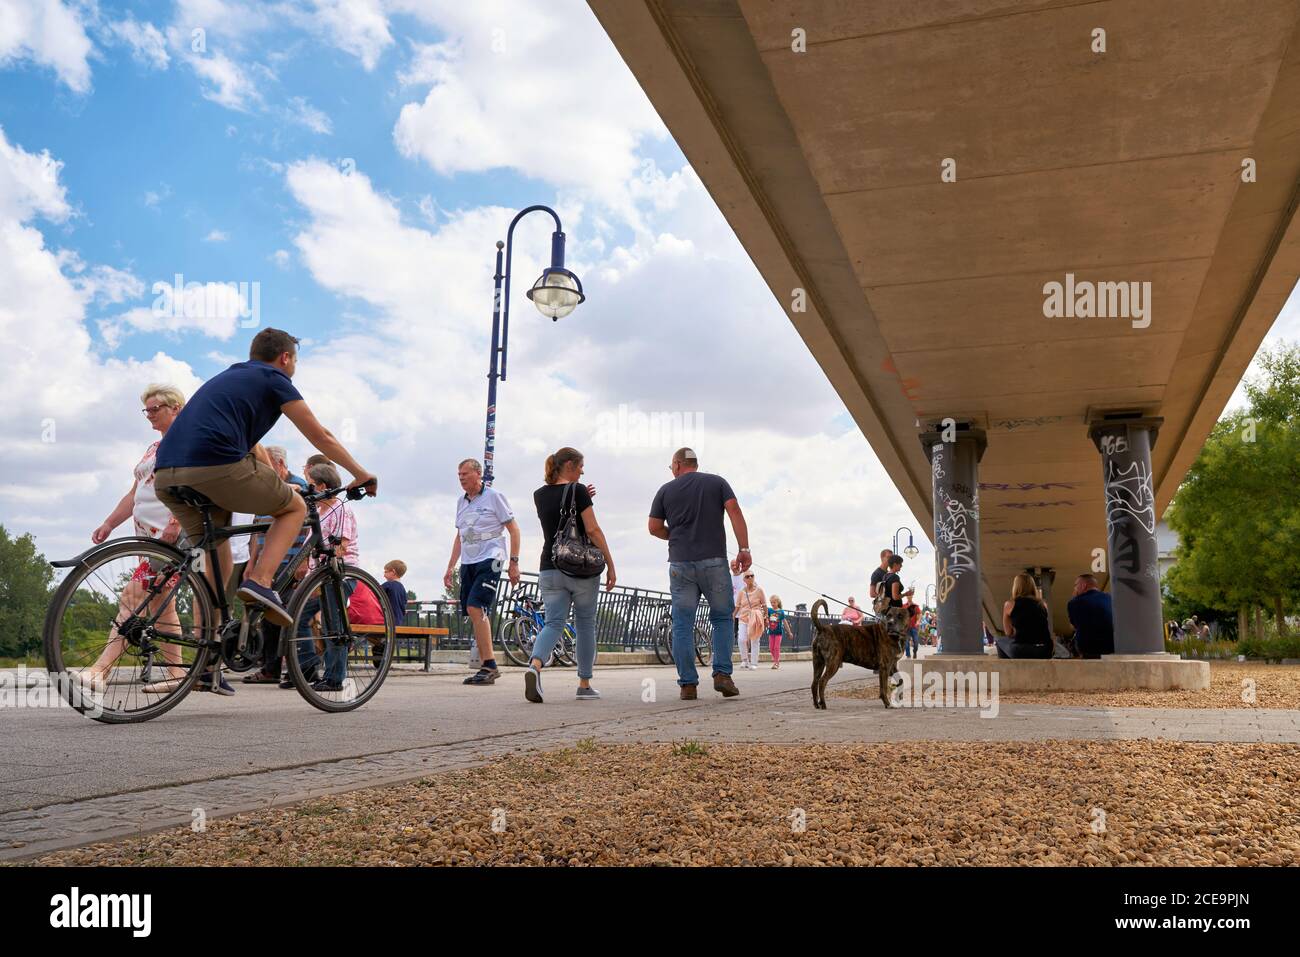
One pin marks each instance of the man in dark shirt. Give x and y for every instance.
(209, 448)
(878, 575)
(687, 513)
(1090, 614)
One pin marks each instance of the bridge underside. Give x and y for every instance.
(1065, 164)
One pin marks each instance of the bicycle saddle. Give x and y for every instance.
(189, 496)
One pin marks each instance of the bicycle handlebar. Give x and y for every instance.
(352, 494)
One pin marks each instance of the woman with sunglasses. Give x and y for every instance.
(751, 612)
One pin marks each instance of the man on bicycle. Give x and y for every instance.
(209, 448)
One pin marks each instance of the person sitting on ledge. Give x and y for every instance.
(1024, 619)
(1090, 614)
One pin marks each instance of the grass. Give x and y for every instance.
(689, 749)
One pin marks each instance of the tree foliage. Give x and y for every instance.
(1236, 513)
(25, 579)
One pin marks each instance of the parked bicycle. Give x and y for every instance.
(151, 606)
(519, 634)
(664, 641)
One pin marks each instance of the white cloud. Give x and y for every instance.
(281, 258)
(533, 88)
(303, 113)
(216, 236)
(69, 429)
(359, 27)
(49, 33)
(228, 84)
(147, 43)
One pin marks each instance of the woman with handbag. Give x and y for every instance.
(574, 553)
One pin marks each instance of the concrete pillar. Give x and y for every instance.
(1125, 446)
(954, 453)
(1045, 578)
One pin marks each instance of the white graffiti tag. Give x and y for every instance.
(1128, 492)
(953, 532)
(938, 463)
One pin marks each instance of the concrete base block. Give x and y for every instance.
(1112, 673)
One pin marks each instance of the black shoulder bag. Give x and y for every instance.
(571, 552)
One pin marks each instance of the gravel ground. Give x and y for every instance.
(1275, 686)
(1056, 802)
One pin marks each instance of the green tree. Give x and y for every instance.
(1235, 513)
(25, 579)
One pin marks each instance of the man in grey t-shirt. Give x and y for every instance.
(687, 513)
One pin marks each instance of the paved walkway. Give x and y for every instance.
(66, 780)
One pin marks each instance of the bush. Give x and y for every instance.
(1270, 646)
(1196, 648)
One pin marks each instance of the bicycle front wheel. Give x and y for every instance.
(128, 631)
(335, 663)
(664, 645)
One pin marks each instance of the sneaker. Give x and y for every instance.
(533, 685)
(723, 684)
(484, 676)
(377, 654)
(587, 694)
(272, 607)
(223, 686)
(688, 693)
(325, 685)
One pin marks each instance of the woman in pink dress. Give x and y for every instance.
(162, 403)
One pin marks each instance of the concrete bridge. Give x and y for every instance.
(1033, 244)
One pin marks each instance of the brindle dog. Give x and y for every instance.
(868, 645)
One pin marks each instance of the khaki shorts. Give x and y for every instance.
(244, 486)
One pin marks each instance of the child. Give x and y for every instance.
(395, 590)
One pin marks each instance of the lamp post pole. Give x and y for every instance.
(557, 293)
(911, 551)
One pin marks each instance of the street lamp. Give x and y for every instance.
(928, 590)
(911, 551)
(556, 293)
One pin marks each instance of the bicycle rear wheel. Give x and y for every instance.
(664, 644)
(335, 663)
(703, 642)
(517, 638)
(566, 648)
(128, 607)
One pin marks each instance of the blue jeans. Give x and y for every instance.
(336, 655)
(912, 646)
(710, 577)
(560, 592)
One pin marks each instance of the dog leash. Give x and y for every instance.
(865, 612)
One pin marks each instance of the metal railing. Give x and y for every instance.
(627, 619)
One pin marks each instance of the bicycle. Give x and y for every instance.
(161, 614)
(519, 634)
(663, 643)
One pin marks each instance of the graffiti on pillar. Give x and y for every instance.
(937, 464)
(1128, 493)
(1011, 425)
(1130, 505)
(1113, 444)
(1017, 531)
(1034, 504)
(953, 530)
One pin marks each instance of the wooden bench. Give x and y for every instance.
(428, 634)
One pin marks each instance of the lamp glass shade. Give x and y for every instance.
(911, 551)
(556, 294)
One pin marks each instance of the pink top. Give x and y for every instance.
(337, 519)
(751, 608)
(851, 614)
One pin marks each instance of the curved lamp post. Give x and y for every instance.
(911, 551)
(556, 293)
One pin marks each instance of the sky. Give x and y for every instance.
(349, 166)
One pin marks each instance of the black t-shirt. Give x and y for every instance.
(1029, 619)
(887, 589)
(877, 576)
(548, 499)
(691, 505)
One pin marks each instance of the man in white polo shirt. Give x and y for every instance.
(482, 514)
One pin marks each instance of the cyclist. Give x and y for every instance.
(209, 449)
